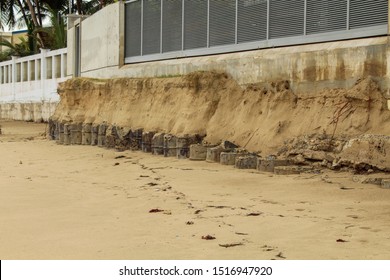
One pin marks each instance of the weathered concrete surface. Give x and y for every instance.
(214, 154)
(292, 169)
(310, 68)
(198, 152)
(246, 162)
(228, 158)
(158, 144)
(385, 184)
(268, 165)
(34, 111)
(100, 40)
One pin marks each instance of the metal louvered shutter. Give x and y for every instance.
(326, 16)
(133, 29)
(251, 20)
(368, 13)
(151, 27)
(222, 22)
(195, 24)
(286, 18)
(172, 25)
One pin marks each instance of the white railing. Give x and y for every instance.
(33, 78)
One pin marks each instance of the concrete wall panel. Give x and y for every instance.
(309, 67)
(100, 40)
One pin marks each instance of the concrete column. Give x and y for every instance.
(29, 70)
(13, 76)
(36, 70)
(8, 72)
(21, 71)
(53, 67)
(62, 65)
(43, 72)
(121, 56)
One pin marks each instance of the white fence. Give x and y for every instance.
(33, 78)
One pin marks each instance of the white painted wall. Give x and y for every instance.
(100, 39)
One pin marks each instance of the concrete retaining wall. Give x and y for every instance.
(33, 111)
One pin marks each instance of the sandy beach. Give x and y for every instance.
(85, 202)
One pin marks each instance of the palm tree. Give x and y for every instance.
(31, 13)
(9, 10)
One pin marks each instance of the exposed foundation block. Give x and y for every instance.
(227, 158)
(246, 162)
(102, 135)
(183, 143)
(94, 134)
(67, 128)
(291, 169)
(169, 145)
(158, 144)
(53, 131)
(86, 134)
(135, 139)
(214, 154)
(75, 134)
(61, 135)
(198, 152)
(147, 141)
(110, 137)
(385, 184)
(268, 165)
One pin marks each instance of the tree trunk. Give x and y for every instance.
(38, 4)
(32, 11)
(78, 4)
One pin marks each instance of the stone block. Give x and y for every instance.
(67, 128)
(52, 132)
(75, 134)
(61, 135)
(291, 169)
(147, 141)
(227, 145)
(183, 143)
(246, 162)
(269, 164)
(228, 158)
(198, 152)
(374, 181)
(86, 134)
(135, 139)
(158, 144)
(214, 154)
(102, 129)
(169, 145)
(110, 137)
(102, 135)
(94, 134)
(385, 184)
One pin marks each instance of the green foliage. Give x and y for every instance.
(55, 35)
(20, 49)
(17, 12)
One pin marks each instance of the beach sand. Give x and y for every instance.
(85, 202)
